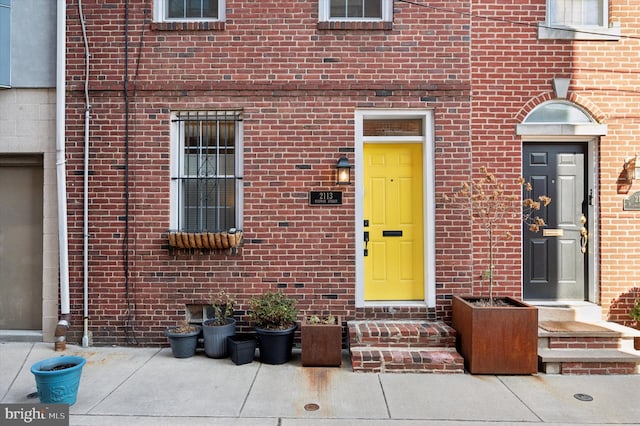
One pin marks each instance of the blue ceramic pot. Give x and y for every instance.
(58, 379)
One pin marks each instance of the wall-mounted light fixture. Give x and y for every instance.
(343, 171)
(632, 168)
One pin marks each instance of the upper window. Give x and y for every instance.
(578, 20)
(189, 10)
(355, 10)
(559, 118)
(558, 112)
(206, 181)
(576, 12)
(5, 43)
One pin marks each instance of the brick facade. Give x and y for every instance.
(299, 84)
(512, 73)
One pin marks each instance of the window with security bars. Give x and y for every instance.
(206, 165)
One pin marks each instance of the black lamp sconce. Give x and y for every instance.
(343, 171)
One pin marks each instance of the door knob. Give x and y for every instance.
(366, 243)
(584, 235)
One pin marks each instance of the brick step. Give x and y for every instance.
(587, 361)
(405, 360)
(403, 334)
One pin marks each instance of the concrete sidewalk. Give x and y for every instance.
(147, 386)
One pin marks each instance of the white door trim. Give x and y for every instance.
(427, 140)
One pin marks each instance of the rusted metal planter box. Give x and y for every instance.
(497, 339)
(321, 344)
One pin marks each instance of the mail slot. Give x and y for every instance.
(392, 233)
(553, 232)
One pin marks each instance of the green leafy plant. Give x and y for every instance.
(223, 305)
(273, 311)
(492, 207)
(635, 311)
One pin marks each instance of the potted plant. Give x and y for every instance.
(58, 379)
(321, 341)
(497, 335)
(183, 339)
(274, 315)
(242, 348)
(220, 326)
(635, 314)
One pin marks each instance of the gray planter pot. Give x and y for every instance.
(183, 345)
(215, 338)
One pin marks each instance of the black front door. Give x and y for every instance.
(555, 259)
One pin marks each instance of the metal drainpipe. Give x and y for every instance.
(85, 231)
(63, 255)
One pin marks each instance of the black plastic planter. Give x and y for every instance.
(242, 348)
(275, 345)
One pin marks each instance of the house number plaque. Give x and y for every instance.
(325, 198)
(633, 202)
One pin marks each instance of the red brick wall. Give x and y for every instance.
(299, 87)
(512, 73)
(509, 67)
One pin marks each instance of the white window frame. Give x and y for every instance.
(176, 163)
(160, 13)
(324, 13)
(604, 31)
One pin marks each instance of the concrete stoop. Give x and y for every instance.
(403, 347)
(575, 340)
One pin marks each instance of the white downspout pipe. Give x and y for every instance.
(63, 254)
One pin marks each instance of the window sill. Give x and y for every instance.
(579, 32)
(188, 26)
(355, 25)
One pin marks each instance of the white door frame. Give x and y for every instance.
(427, 140)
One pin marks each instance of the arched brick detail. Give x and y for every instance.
(581, 101)
(531, 104)
(589, 106)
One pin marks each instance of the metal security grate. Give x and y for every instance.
(207, 170)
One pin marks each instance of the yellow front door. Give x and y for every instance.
(393, 219)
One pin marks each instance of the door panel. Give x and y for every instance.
(393, 207)
(21, 243)
(555, 268)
